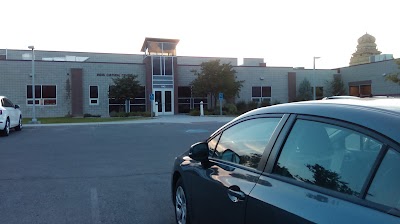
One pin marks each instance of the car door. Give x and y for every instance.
(11, 111)
(220, 188)
(319, 172)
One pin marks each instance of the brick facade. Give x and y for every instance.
(99, 69)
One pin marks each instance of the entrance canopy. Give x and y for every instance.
(159, 46)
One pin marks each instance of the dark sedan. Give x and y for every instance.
(330, 161)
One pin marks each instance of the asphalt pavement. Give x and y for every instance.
(112, 172)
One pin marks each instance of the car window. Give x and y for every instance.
(212, 144)
(329, 156)
(386, 184)
(7, 103)
(245, 142)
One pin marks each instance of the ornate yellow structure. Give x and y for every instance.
(366, 47)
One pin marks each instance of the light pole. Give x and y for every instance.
(315, 86)
(34, 120)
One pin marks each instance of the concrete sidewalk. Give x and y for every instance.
(181, 119)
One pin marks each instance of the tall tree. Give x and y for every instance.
(305, 90)
(214, 78)
(125, 88)
(336, 86)
(394, 77)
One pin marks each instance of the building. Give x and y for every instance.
(77, 83)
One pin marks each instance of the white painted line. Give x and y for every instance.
(95, 206)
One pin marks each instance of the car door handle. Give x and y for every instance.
(235, 194)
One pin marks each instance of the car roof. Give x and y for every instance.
(381, 115)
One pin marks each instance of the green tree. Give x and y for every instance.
(125, 88)
(394, 77)
(214, 78)
(336, 86)
(305, 90)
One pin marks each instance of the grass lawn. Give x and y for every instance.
(58, 120)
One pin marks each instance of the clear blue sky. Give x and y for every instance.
(284, 32)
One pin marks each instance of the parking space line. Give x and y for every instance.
(95, 206)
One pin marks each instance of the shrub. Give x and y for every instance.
(194, 112)
(251, 105)
(91, 115)
(113, 114)
(265, 103)
(241, 107)
(230, 108)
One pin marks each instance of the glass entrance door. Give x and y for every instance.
(164, 97)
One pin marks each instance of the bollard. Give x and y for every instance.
(156, 109)
(201, 109)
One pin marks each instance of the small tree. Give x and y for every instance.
(125, 88)
(214, 78)
(394, 77)
(305, 90)
(336, 86)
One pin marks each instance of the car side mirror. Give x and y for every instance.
(16, 106)
(199, 151)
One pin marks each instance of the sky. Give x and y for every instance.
(284, 32)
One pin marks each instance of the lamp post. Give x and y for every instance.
(34, 120)
(315, 86)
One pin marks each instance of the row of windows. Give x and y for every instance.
(316, 153)
(360, 90)
(47, 95)
(186, 100)
(44, 95)
(134, 105)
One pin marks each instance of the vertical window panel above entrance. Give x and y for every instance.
(163, 65)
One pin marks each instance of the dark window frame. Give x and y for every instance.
(92, 99)
(257, 93)
(39, 98)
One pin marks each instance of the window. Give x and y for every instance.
(386, 184)
(139, 103)
(328, 156)
(115, 105)
(360, 90)
(44, 95)
(261, 94)
(163, 65)
(184, 99)
(245, 142)
(212, 144)
(93, 95)
(7, 103)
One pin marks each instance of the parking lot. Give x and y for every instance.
(108, 173)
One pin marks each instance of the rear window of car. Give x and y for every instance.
(386, 184)
(329, 156)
